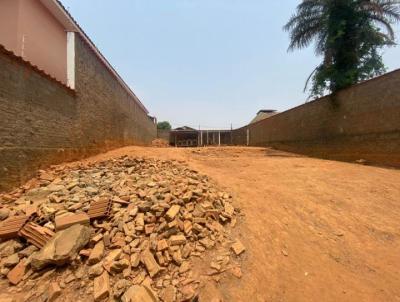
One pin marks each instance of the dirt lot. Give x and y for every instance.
(315, 230)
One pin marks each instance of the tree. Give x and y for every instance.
(349, 34)
(164, 125)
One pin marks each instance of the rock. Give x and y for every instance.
(43, 175)
(62, 248)
(172, 212)
(112, 256)
(133, 211)
(50, 226)
(207, 243)
(55, 188)
(120, 287)
(119, 266)
(187, 292)
(4, 213)
(169, 294)
(229, 209)
(185, 266)
(135, 259)
(236, 271)
(72, 185)
(85, 253)
(177, 240)
(96, 238)
(97, 253)
(95, 270)
(162, 245)
(75, 206)
(53, 292)
(11, 260)
(80, 272)
(138, 293)
(101, 287)
(187, 226)
(149, 228)
(69, 278)
(126, 249)
(238, 247)
(27, 251)
(4, 271)
(151, 264)
(38, 194)
(339, 233)
(361, 161)
(187, 249)
(10, 247)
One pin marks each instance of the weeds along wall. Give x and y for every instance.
(361, 122)
(43, 122)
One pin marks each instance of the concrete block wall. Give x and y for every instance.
(42, 122)
(361, 122)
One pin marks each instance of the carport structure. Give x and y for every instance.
(190, 137)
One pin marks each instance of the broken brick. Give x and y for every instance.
(101, 287)
(238, 247)
(177, 240)
(151, 264)
(64, 222)
(100, 208)
(11, 226)
(172, 212)
(17, 273)
(36, 234)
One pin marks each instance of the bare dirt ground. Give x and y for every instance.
(315, 230)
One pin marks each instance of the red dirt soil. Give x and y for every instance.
(315, 230)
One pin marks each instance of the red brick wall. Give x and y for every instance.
(363, 122)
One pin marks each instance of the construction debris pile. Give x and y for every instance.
(160, 143)
(127, 229)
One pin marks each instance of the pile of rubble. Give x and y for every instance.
(134, 226)
(160, 143)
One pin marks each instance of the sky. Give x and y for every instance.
(203, 63)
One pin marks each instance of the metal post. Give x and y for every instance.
(219, 138)
(231, 136)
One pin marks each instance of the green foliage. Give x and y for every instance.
(349, 34)
(164, 125)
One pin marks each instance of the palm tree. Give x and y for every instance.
(348, 34)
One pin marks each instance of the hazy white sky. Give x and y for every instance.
(203, 62)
